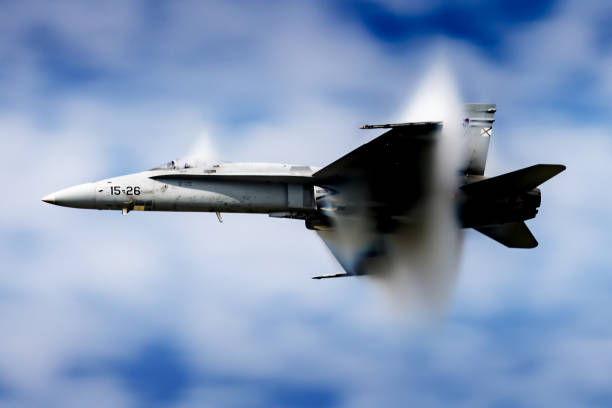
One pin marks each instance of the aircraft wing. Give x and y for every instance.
(373, 188)
(352, 251)
(392, 170)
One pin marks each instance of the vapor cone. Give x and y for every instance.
(416, 261)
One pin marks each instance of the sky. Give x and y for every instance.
(178, 310)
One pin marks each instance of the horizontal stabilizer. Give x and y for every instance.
(515, 182)
(337, 275)
(512, 235)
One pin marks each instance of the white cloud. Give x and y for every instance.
(236, 297)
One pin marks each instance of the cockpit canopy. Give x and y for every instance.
(175, 164)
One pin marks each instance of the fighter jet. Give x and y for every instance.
(384, 182)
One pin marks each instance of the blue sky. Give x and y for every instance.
(178, 310)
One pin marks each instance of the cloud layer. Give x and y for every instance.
(179, 310)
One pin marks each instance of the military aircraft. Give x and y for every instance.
(383, 181)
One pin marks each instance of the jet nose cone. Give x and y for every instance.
(81, 196)
(49, 198)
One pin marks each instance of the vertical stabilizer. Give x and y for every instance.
(478, 124)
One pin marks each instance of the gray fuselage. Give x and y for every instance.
(227, 187)
(279, 190)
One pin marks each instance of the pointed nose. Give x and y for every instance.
(49, 198)
(81, 196)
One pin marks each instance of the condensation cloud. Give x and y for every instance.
(417, 263)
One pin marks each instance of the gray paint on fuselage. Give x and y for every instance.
(224, 196)
(181, 190)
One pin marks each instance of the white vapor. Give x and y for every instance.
(418, 261)
(203, 151)
(424, 254)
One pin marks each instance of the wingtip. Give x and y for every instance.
(337, 275)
